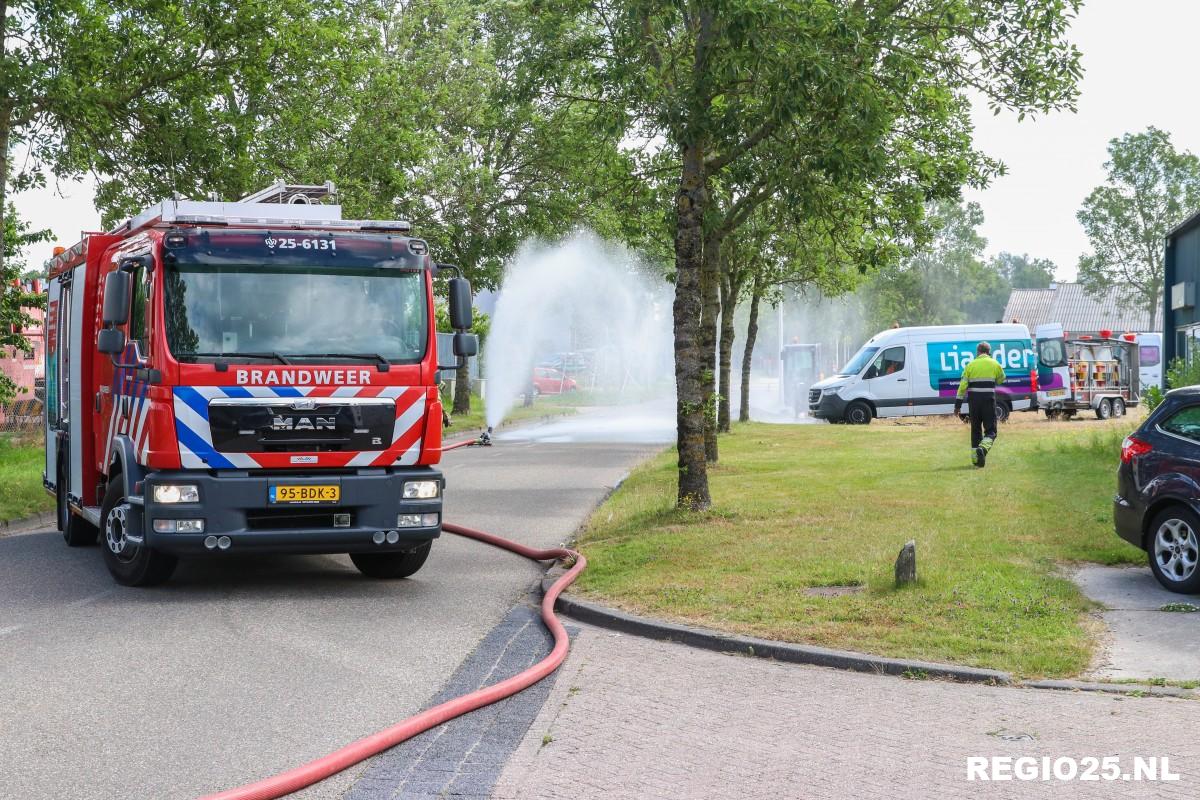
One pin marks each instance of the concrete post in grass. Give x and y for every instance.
(906, 563)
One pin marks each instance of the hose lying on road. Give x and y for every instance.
(307, 774)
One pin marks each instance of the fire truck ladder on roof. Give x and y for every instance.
(292, 193)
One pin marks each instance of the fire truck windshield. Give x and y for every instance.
(295, 313)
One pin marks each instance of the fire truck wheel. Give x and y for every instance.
(391, 565)
(126, 555)
(76, 531)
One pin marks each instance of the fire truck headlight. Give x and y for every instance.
(422, 490)
(176, 493)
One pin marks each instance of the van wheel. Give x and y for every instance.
(76, 531)
(392, 565)
(1118, 407)
(126, 555)
(1173, 547)
(1104, 410)
(858, 413)
(1002, 411)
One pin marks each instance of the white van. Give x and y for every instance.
(916, 371)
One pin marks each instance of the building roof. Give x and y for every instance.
(1077, 311)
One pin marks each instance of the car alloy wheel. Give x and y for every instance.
(1176, 549)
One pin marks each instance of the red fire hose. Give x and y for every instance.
(307, 774)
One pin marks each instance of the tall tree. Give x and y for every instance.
(452, 134)
(861, 92)
(155, 95)
(1150, 188)
(1023, 271)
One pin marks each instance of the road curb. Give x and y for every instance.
(708, 639)
(1136, 689)
(27, 524)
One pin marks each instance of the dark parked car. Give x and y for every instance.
(1157, 506)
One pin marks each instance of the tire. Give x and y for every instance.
(1173, 548)
(130, 562)
(76, 531)
(392, 565)
(858, 413)
(1003, 411)
(1118, 407)
(1104, 410)
(1053, 414)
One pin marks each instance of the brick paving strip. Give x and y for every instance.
(464, 757)
(634, 718)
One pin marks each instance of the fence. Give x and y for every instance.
(21, 415)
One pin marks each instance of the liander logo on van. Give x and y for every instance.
(948, 359)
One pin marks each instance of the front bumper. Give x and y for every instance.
(830, 406)
(235, 504)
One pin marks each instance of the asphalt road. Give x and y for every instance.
(240, 668)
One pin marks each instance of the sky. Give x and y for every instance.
(1137, 65)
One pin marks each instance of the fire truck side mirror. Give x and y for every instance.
(466, 345)
(116, 298)
(111, 341)
(460, 304)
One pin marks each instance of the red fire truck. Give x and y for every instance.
(247, 377)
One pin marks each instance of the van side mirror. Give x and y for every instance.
(460, 304)
(111, 341)
(116, 298)
(466, 344)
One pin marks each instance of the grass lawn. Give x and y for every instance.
(21, 465)
(544, 406)
(804, 506)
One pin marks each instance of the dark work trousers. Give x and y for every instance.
(982, 408)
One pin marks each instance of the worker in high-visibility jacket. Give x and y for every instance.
(979, 381)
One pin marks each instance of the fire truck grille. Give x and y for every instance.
(276, 428)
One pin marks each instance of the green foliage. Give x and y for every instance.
(15, 302)
(1152, 397)
(1181, 372)
(481, 323)
(948, 281)
(1150, 188)
(197, 96)
(452, 132)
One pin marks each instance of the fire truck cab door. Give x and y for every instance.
(64, 382)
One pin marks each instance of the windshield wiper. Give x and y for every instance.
(384, 364)
(277, 356)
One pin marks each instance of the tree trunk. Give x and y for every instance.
(690, 359)
(730, 289)
(748, 355)
(462, 389)
(710, 278)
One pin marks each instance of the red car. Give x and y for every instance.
(551, 381)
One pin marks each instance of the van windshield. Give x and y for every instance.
(860, 360)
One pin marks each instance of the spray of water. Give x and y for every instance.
(586, 307)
